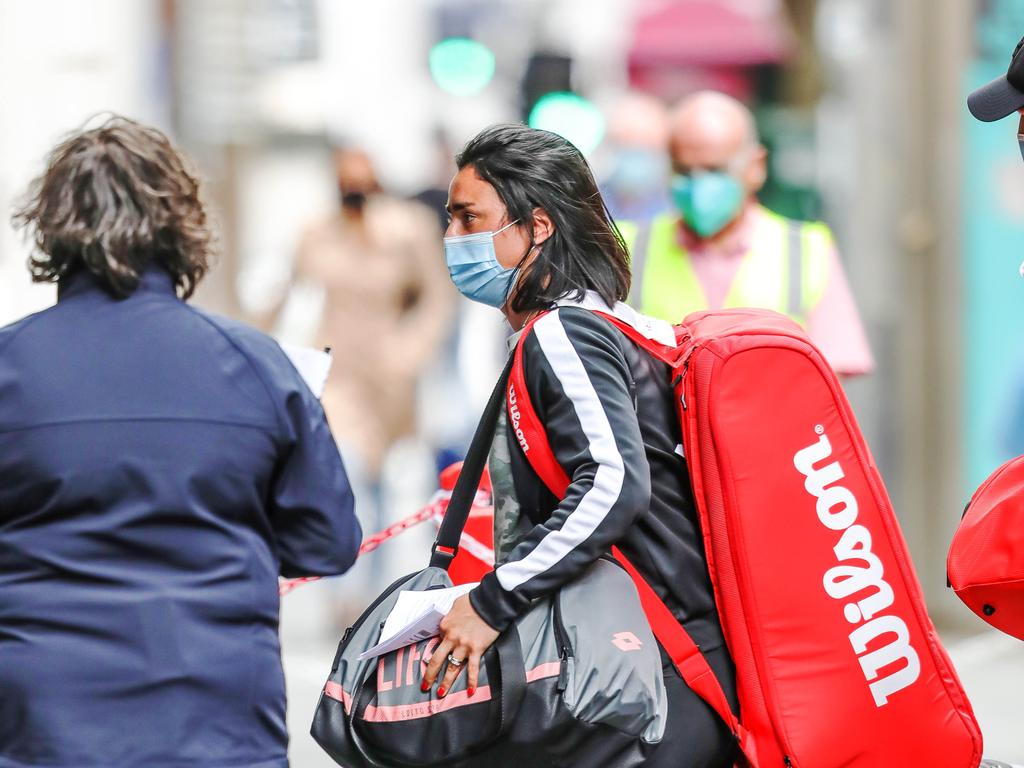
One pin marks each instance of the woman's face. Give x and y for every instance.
(474, 206)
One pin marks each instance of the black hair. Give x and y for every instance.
(531, 169)
(114, 200)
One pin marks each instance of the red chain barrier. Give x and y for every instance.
(434, 509)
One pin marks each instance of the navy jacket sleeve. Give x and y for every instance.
(581, 387)
(311, 504)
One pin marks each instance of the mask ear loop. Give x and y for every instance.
(518, 273)
(1020, 136)
(531, 249)
(519, 266)
(502, 229)
(1020, 143)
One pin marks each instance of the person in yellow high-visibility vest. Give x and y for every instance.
(720, 248)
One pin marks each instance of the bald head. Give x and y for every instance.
(709, 131)
(639, 120)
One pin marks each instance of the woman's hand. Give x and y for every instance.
(465, 636)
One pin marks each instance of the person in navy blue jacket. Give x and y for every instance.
(160, 467)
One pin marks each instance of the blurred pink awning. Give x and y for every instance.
(712, 33)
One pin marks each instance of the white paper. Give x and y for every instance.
(415, 616)
(312, 364)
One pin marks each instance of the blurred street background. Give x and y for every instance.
(288, 108)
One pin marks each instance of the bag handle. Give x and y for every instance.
(506, 674)
(446, 545)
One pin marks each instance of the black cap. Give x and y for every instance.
(1004, 95)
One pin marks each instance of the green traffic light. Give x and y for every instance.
(461, 66)
(572, 117)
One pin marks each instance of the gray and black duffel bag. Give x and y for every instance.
(576, 681)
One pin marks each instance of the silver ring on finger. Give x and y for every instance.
(455, 662)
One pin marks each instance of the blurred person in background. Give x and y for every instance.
(160, 467)
(996, 100)
(387, 310)
(435, 194)
(634, 186)
(720, 248)
(1003, 96)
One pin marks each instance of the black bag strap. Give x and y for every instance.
(446, 545)
(511, 669)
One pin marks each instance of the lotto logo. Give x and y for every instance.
(627, 641)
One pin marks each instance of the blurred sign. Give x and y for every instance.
(226, 52)
(791, 139)
(711, 33)
(461, 66)
(545, 73)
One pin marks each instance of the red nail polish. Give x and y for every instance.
(440, 693)
(472, 690)
(424, 686)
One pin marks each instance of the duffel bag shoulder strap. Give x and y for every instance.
(686, 655)
(673, 637)
(446, 545)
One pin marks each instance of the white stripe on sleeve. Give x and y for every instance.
(598, 501)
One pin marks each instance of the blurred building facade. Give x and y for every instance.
(52, 78)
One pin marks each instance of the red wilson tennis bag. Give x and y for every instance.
(986, 559)
(838, 664)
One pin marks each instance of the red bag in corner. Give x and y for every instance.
(838, 664)
(475, 557)
(986, 559)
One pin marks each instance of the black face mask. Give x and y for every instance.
(353, 200)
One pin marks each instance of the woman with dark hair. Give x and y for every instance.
(159, 468)
(530, 234)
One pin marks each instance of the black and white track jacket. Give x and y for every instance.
(608, 409)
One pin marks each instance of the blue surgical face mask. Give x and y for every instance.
(708, 201)
(475, 270)
(638, 172)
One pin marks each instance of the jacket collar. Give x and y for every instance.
(154, 280)
(652, 328)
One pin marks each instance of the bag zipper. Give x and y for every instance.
(680, 378)
(565, 652)
(362, 619)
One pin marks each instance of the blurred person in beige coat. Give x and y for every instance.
(388, 306)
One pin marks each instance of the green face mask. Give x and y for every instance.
(707, 201)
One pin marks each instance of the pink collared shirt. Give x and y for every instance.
(834, 324)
